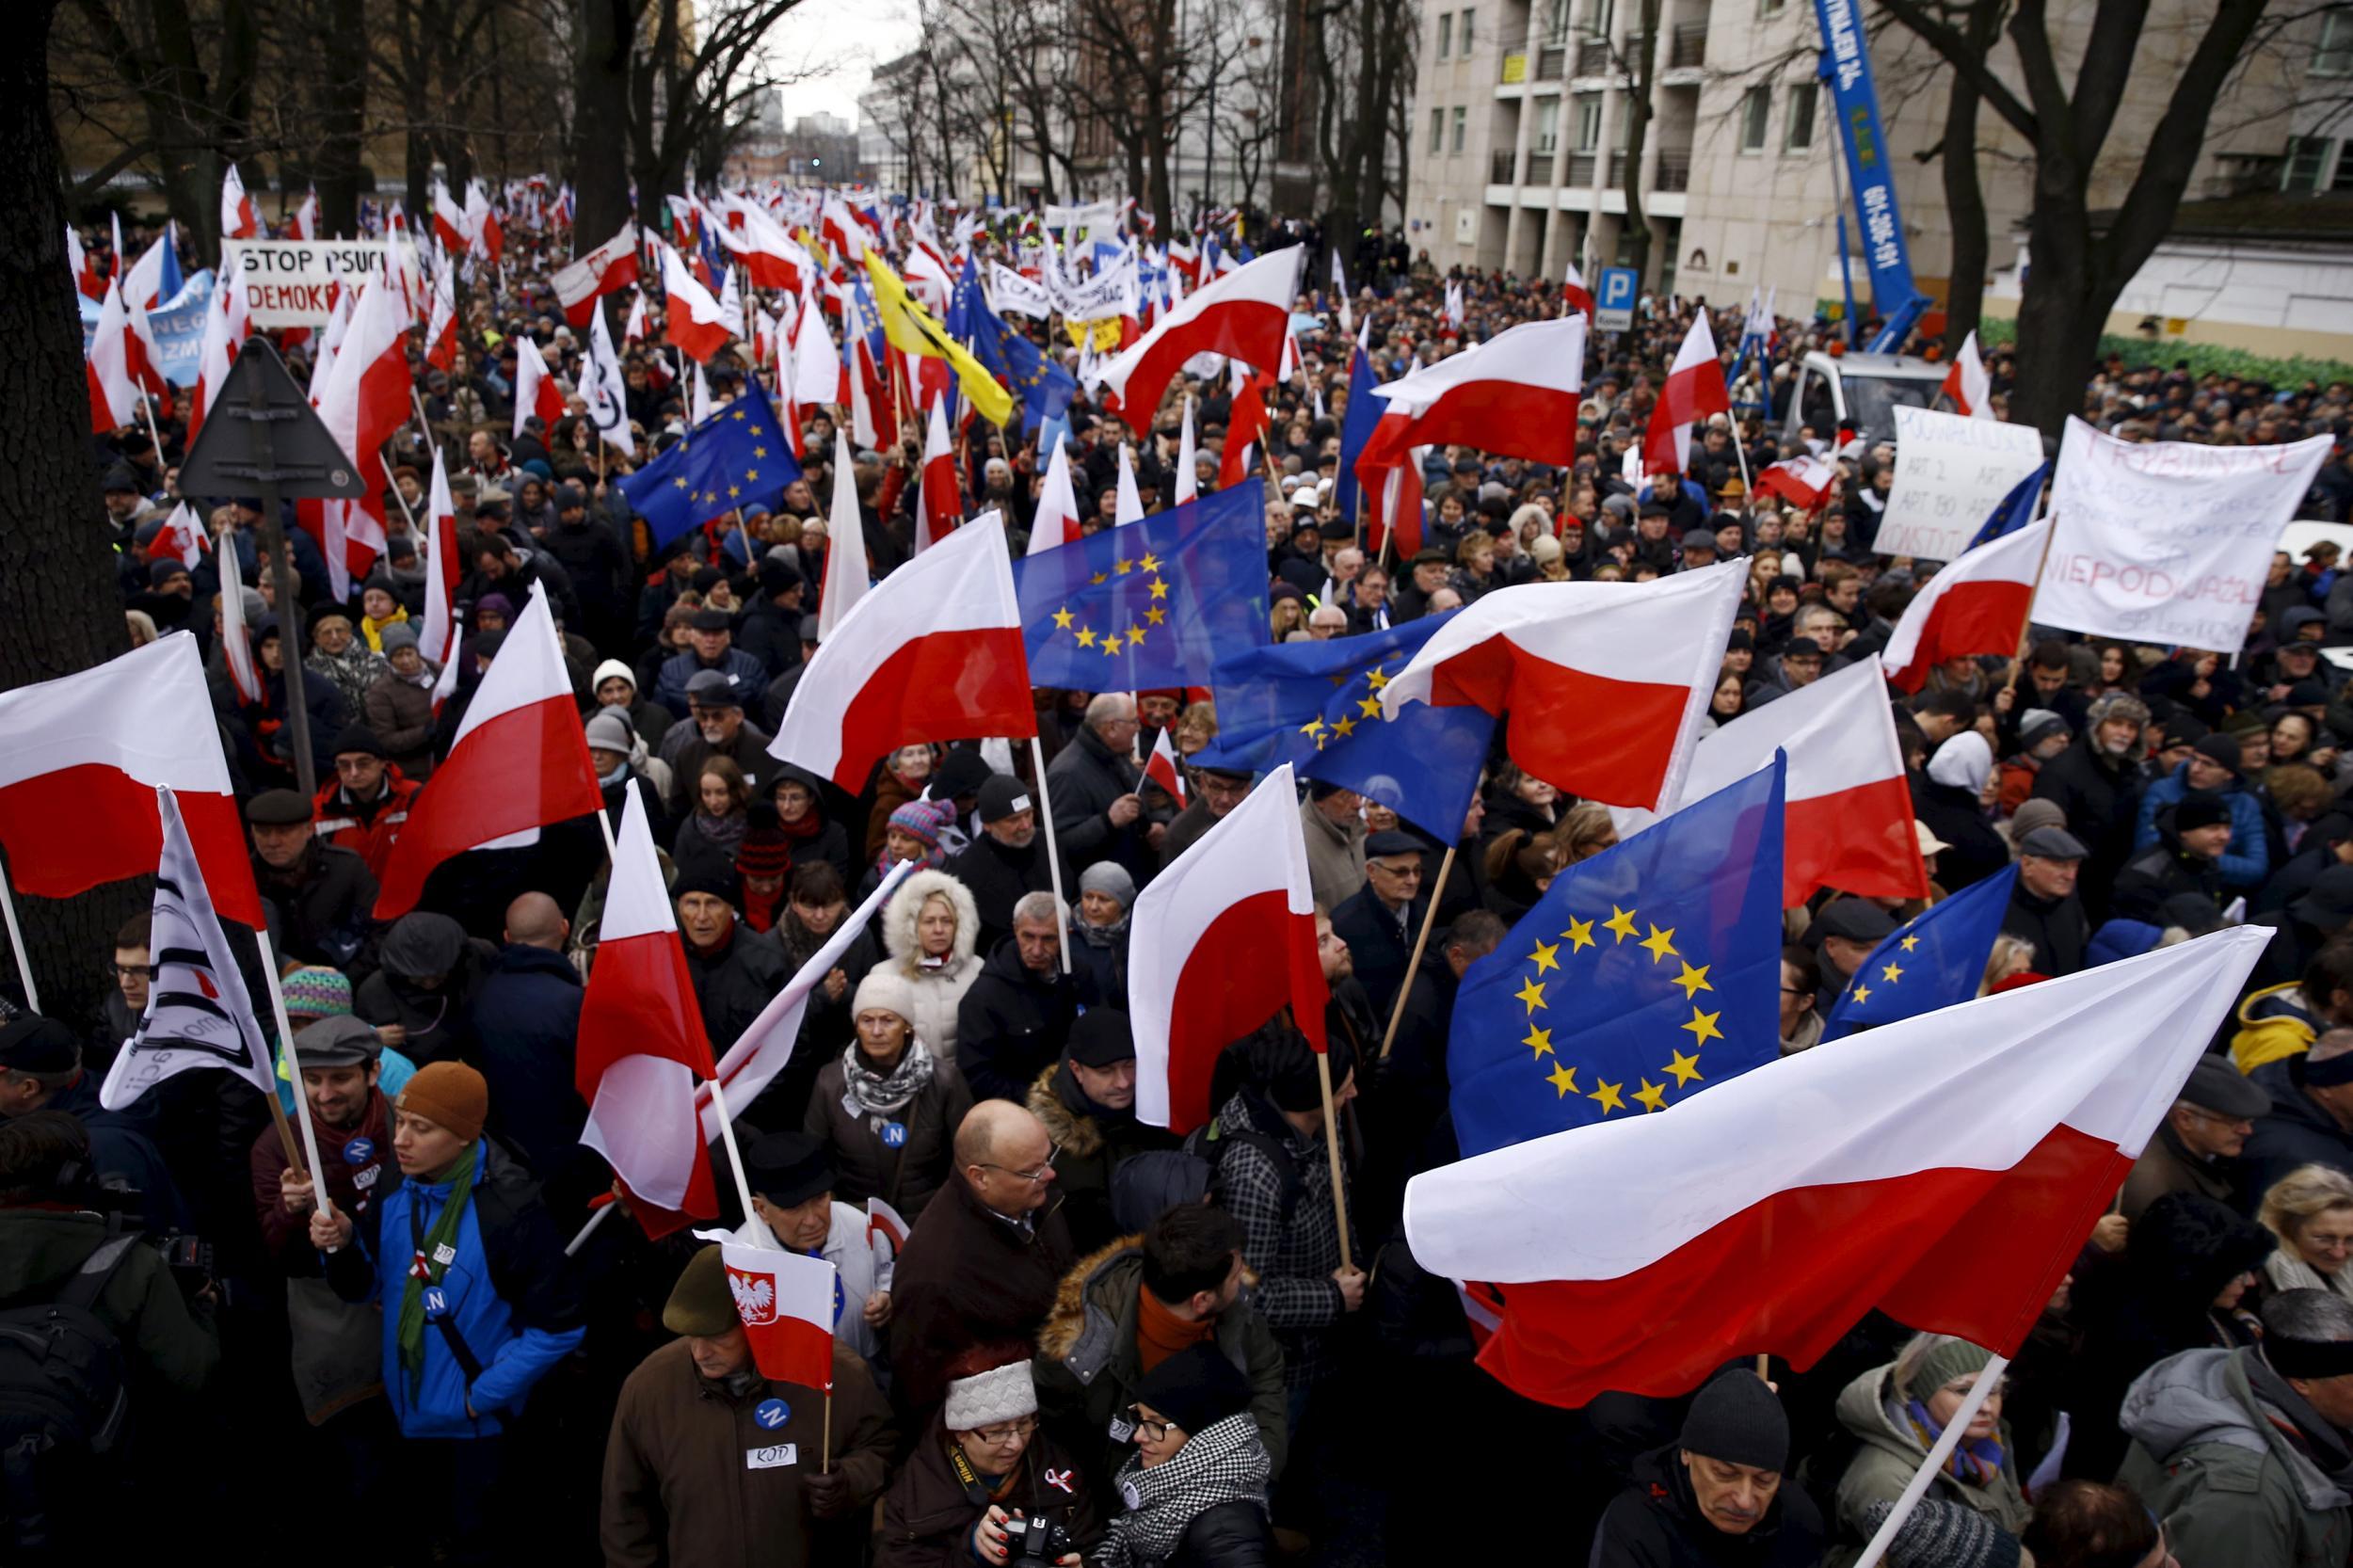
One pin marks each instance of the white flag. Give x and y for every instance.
(198, 1012)
(1010, 294)
(602, 385)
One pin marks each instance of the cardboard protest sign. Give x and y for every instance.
(1950, 474)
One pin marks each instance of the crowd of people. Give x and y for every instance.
(1098, 1342)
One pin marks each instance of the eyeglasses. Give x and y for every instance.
(1040, 1176)
(134, 972)
(1006, 1437)
(1410, 872)
(1151, 1432)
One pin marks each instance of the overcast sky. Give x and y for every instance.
(839, 42)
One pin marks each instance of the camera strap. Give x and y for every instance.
(967, 1477)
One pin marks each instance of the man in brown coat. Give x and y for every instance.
(710, 1464)
(2197, 1145)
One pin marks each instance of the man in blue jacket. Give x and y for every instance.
(2212, 769)
(477, 1296)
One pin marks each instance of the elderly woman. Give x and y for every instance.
(1196, 1486)
(708, 839)
(982, 1462)
(616, 687)
(1897, 1412)
(889, 1104)
(1586, 829)
(340, 656)
(930, 928)
(1099, 956)
(2310, 1210)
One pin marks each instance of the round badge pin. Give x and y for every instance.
(769, 1414)
(359, 1151)
(894, 1134)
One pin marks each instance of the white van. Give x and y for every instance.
(1858, 392)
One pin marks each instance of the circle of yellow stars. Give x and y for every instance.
(1343, 725)
(1684, 1067)
(712, 496)
(1890, 972)
(1111, 640)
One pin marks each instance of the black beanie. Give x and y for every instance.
(705, 879)
(1737, 1419)
(1282, 1067)
(2200, 810)
(1196, 1388)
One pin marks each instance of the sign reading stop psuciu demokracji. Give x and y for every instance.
(290, 282)
(2166, 542)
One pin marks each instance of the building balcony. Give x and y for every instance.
(1502, 168)
(1592, 57)
(1686, 46)
(1583, 168)
(1673, 170)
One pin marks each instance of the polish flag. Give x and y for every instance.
(180, 539)
(847, 579)
(1575, 296)
(691, 318)
(1188, 455)
(839, 230)
(520, 761)
(1946, 1174)
(1245, 428)
(86, 279)
(1965, 384)
(1694, 390)
(1163, 768)
(942, 507)
(1393, 498)
(933, 653)
(225, 326)
(642, 1045)
(1847, 822)
(449, 221)
(633, 330)
(114, 401)
(1978, 604)
(442, 568)
(1226, 937)
(886, 1221)
(238, 221)
(482, 227)
(1515, 395)
(774, 258)
(1244, 315)
(1056, 520)
(581, 284)
(535, 391)
(1804, 481)
(1129, 505)
(142, 291)
(784, 1300)
(1605, 682)
(440, 333)
(79, 777)
(365, 399)
(306, 217)
(236, 638)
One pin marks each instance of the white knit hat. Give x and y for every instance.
(984, 1400)
(885, 987)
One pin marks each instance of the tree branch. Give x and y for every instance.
(1948, 43)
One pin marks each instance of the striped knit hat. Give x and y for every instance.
(317, 992)
(1948, 1535)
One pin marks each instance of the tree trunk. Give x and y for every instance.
(343, 118)
(2060, 316)
(1964, 193)
(1638, 109)
(58, 602)
(601, 32)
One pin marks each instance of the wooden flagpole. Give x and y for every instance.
(1331, 1150)
(1421, 940)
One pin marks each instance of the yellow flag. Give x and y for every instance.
(911, 331)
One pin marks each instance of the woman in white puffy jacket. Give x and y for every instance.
(929, 929)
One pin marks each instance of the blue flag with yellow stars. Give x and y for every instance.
(1642, 976)
(2012, 513)
(1151, 602)
(736, 456)
(1317, 706)
(1935, 959)
(1043, 387)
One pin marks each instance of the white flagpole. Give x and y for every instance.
(726, 1135)
(1053, 854)
(1945, 1442)
(293, 1065)
(16, 945)
(590, 1228)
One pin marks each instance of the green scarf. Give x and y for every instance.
(443, 1233)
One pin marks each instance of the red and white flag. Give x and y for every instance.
(84, 756)
(642, 1046)
(236, 638)
(1694, 390)
(365, 399)
(634, 329)
(1946, 1174)
(691, 318)
(933, 653)
(238, 220)
(1187, 454)
(482, 224)
(886, 1221)
(535, 388)
(1804, 482)
(1847, 823)
(180, 539)
(1244, 315)
(1128, 501)
(225, 326)
(774, 258)
(449, 222)
(1246, 426)
(306, 216)
(86, 278)
(1165, 769)
(579, 284)
(114, 400)
(442, 568)
(1515, 395)
(784, 1300)
(441, 332)
(1226, 938)
(520, 761)
(1976, 604)
(1605, 682)
(1965, 383)
(1575, 298)
(942, 505)
(1056, 521)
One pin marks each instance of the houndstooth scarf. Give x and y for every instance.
(1222, 1463)
(873, 1093)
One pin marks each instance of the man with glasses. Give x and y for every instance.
(987, 1258)
(1215, 792)
(1380, 922)
(363, 807)
(2198, 1145)
(126, 1004)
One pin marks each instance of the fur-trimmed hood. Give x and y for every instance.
(1075, 1132)
(1060, 1334)
(906, 904)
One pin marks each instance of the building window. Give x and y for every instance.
(2334, 57)
(1446, 35)
(1756, 105)
(1588, 121)
(1438, 132)
(1463, 35)
(2342, 179)
(1798, 134)
(1771, 7)
(2307, 156)
(1547, 127)
(1462, 126)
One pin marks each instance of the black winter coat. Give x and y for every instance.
(1231, 1535)
(732, 985)
(2102, 801)
(998, 875)
(326, 909)
(1951, 811)
(525, 1023)
(1656, 1523)
(1012, 1024)
(2294, 1131)
(1084, 780)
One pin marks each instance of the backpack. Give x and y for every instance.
(1211, 1138)
(64, 1408)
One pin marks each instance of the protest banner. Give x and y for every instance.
(178, 325)
(290, 282)
(2166, 542)
(1009, 291)
(1950, 473)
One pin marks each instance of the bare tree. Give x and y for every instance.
(1156, 73)
(1359, 69)
(1636, 58)
(696, 75)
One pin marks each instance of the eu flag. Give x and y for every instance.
(1935, 959)
(1364, 412)
(1151, 602)
(1317, 706)
(1043, 387)
(2013, 512)
(736, 456)
(1642, 976)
